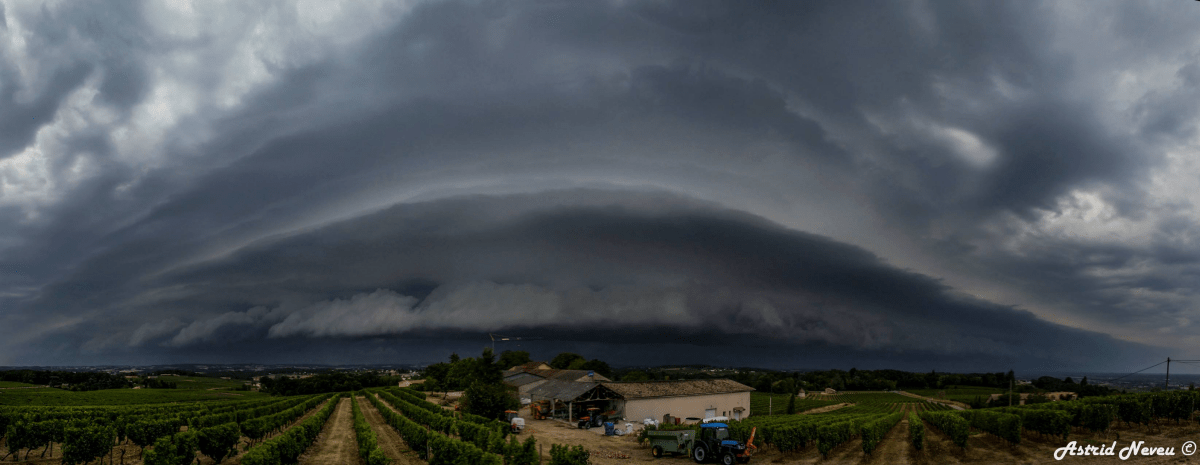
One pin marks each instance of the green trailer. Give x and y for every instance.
(671, 442)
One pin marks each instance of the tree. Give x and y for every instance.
(597, 366)
(486, 368)
(512, 358)
(791, 407)
(489, 400)
(564, 360)
(486, 396)
(635, 376)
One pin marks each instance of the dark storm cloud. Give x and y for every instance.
(273, 176)
(65, 41)
(590, 266)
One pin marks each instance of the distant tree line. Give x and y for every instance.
(1082, 388)
(75, 381)
(180, 373)
(324, 382)
(154, 383)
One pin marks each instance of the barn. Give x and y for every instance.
(698, 398)
(525, 379)
(637, 401)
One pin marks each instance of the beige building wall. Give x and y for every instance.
(689, 406)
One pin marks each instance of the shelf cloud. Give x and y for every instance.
(905, 184)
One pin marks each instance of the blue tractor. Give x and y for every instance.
(714, 443)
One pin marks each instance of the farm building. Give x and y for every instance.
(571, 399)
(700, 398)
(532, 366)
(524, 381)
(637, 401)
(513, 377)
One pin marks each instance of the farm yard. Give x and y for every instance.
(400, 426)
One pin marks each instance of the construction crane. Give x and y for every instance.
(497, 337)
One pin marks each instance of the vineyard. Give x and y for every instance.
(776, 404)
(872, 416)
(282, 430)
(260, 431)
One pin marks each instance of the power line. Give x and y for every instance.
(1139, 371)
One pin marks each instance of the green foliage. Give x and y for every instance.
(323, 383)
(287, 447)
(82, 445)
(564, 360)
(258, 427)
(791, 406)
(489, 400)
(1051, 422)
(566, 455)
(1006, 426)
(517, 453)
(176, 449)
(834, 434)
(217, 442)
(512, 358)
(762, 404)
(597, 366)
(873, 431)
(146, 432)
(916, 431)
(950, 424)
(446, 450)
(1036, 399)
(368, 443)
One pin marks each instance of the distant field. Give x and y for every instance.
(964, 394)
(871, 398)
(51, 396)
(762, 403)
(187, 382)
(12, 384)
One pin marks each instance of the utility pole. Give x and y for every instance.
(1167, 383)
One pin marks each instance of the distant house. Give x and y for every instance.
(532, 366)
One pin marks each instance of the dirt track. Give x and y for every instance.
(389, 440)
(336, 443)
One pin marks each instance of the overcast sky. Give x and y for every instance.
(918, 185)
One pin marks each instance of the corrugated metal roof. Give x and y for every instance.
(521, 379)
(691, 387)
(562, 390)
